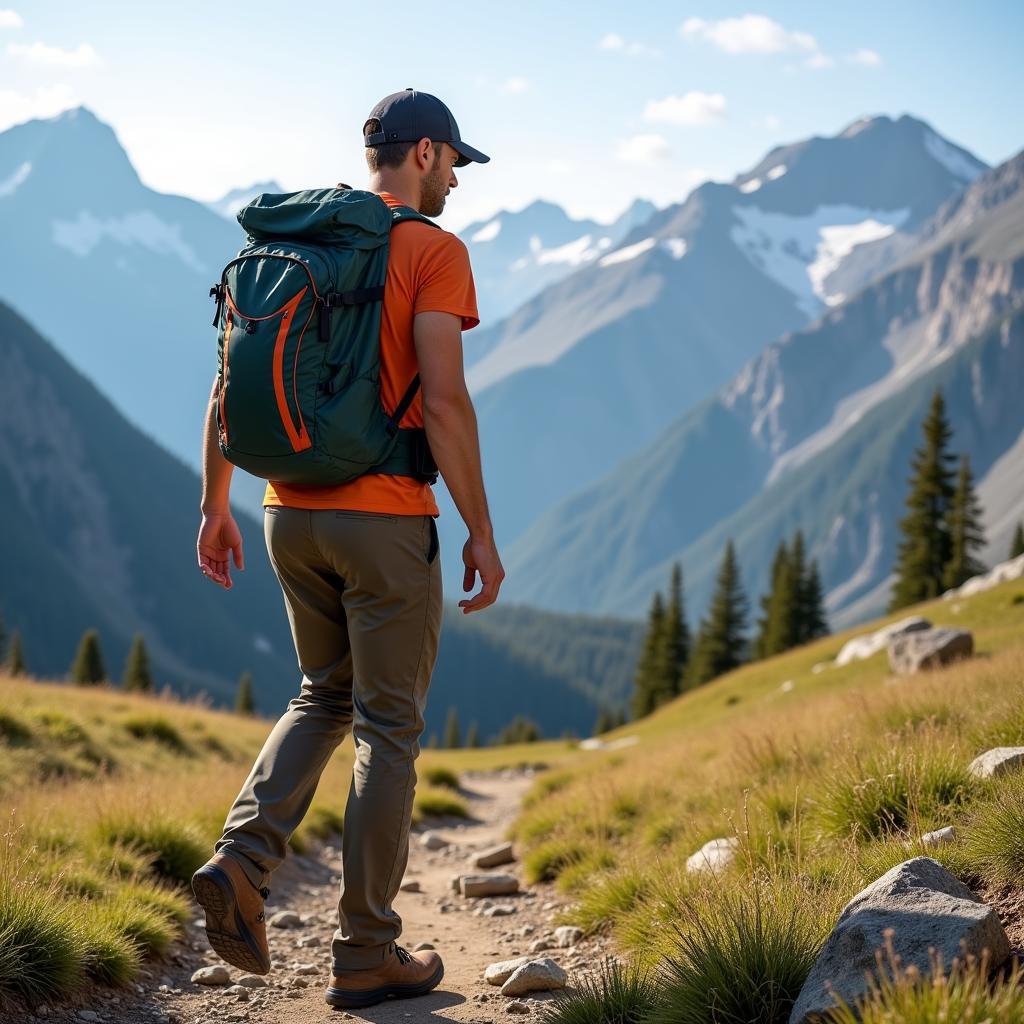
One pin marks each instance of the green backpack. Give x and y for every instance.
(298, 344)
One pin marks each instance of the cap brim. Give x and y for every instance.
(468, 155)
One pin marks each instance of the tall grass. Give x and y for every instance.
(618, 994)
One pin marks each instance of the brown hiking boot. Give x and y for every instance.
(403, 975)
(235, 922)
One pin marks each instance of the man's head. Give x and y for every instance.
(412, 145)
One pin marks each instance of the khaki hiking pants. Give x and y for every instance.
(363, 595)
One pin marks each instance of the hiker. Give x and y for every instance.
(359, 567)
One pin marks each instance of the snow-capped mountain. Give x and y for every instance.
(515, 255)
(817, 432)
(231, 202)
(596, 366)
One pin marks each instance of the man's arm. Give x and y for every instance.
(450, 422)
(218, 532)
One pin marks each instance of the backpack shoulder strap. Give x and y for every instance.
(401, 214)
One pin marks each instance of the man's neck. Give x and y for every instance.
(405, 193)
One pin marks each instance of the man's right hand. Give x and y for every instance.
(481, 556)
(219, 536)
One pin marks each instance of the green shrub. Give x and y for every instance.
(608, 898)
(545, 786)
(438, 775)
(440, 804)
(110, 957)
(993, 836)
(171, 903)
(618, 995)
(175, 848)
(59, 727)
(584, 872)
(13, 731)
(323, 822)
(741, 956)
(546, 862)
(148, 927)
(156, 728)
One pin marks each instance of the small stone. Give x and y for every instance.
(308, 942)
(298, 982)
(420, 946)
(285, 919)
(535, 976)
(411, 886)
(527, 929)
(88, 1015)
(500, 910)
(939, 837)
(215, 975)
(456, 883)
(252, 981)
(714, 854)
(494, 856)
(433, 841)
(498, 973)
(306, 969)
(539, 945)
(568, 935)
(488, 885)
(240, 991)
(516, 1007)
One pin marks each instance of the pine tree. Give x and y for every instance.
(452, 730)
(646, 683)
(676, 639)
(245, 702)
(926, 546)
(605, 722)
(432, 742)
(777, 606)
(137, 675)
(621, 718)
(87, 668)
(1017, 544)
(473, 735)
(813, 622)
(720, 645)
(15, 656)
(966, 532)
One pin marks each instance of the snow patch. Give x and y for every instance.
(857, 127)
(801, 252)
(488, 232)
(751, 186)
(144, 228)
(627, 253)
(677, 247)
(776, 172)
(10, 185)
(262, 644)
(957, 163)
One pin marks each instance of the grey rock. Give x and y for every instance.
(433, 841)
(867, 644)
(252, 981)
(215, 975)
(298, 982)
(456, 883)
(535, 976)
(494, 856)
(714, 855)
(240, 992)
(929, 648)
(308, 942)
(284, 919)
(516, 1007)
(488, 885)
(411, 886)
(420, 946)
(539, 945)
(500, 910)
(88, 1015)
(567, 935)
(308, 969)
(498, 973)
(926, 907)
(996, 761)
(939, 837)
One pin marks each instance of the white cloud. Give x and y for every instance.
(614, 43)
(513, 86)
(820, 62)
(751, 33)
(869, 58)
(559, 166)
(643, 149)
(9, 18)
(55, 57)
(691, 108)
(772, 121)
(46, 101)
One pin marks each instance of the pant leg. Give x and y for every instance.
(392, 602)
(278, 791)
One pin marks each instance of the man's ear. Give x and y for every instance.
(425, 153)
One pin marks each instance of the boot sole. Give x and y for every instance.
(343, 999)
(228, 934)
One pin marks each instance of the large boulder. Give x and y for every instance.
(929, 648)
(1011, 570)
(926, 908)
(996, 761)
(867, 644)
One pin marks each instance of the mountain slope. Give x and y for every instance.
(791, 417)
(99, 530)
(596, 366)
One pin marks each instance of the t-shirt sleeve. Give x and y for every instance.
(445, 282)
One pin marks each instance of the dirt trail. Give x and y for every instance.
(467, 939)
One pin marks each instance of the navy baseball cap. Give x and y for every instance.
(409, 116)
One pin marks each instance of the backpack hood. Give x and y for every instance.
(352, 217)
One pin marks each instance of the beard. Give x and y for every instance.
(433, 190)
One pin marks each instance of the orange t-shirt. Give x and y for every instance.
(428, 271)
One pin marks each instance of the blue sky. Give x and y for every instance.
(589, 106)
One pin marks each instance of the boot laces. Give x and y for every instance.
(404, 955)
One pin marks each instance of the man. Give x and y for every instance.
(359, 568)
